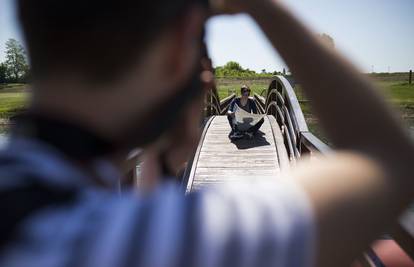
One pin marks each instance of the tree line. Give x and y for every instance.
(234, 69)
(15, 68)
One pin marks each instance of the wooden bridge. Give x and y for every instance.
(219, 160)
(282, 140)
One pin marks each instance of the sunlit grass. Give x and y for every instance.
(399, 93)
(13, 98)
(227, 86)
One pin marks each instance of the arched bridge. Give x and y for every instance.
(283, 138)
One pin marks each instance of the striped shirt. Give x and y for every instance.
(244, 225)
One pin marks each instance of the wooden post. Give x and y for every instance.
(410, 79)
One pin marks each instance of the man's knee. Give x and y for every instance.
(259, 124)
(256, 127)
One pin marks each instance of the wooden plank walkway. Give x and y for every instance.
(220, 160)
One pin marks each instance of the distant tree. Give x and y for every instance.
(3, 73)
(263, 71)
(234, 69)
(16, 61)
(232, 65)
(25, 78)
(231, 69)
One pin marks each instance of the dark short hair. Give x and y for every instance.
(99, 38)
(244, 87)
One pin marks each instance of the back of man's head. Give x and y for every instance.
(98, 38)
(79, 48)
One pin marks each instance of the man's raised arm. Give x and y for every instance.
(358, 193)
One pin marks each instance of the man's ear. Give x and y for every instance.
(184, 48)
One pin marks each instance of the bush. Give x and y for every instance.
(234, 69)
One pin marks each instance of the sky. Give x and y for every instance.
(377, 35)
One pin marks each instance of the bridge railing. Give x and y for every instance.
(280, 101)
(225, 103)
(213, 105)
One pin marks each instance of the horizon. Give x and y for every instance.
(380, 43)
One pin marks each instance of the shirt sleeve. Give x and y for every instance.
(232, 104)
(270, 224)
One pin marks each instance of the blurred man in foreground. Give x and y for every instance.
(113, 75)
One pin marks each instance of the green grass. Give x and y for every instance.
(13, 98)
(399, 93)
(12, 87)
(226, 86)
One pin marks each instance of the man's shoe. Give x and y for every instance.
(236, 135)
(231, 134)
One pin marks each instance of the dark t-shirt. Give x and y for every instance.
(249, 107)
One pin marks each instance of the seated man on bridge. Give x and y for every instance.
(110, 76)
(247, 104)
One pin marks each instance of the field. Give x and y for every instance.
(394, 86)
(226, 86)
(13, 98)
